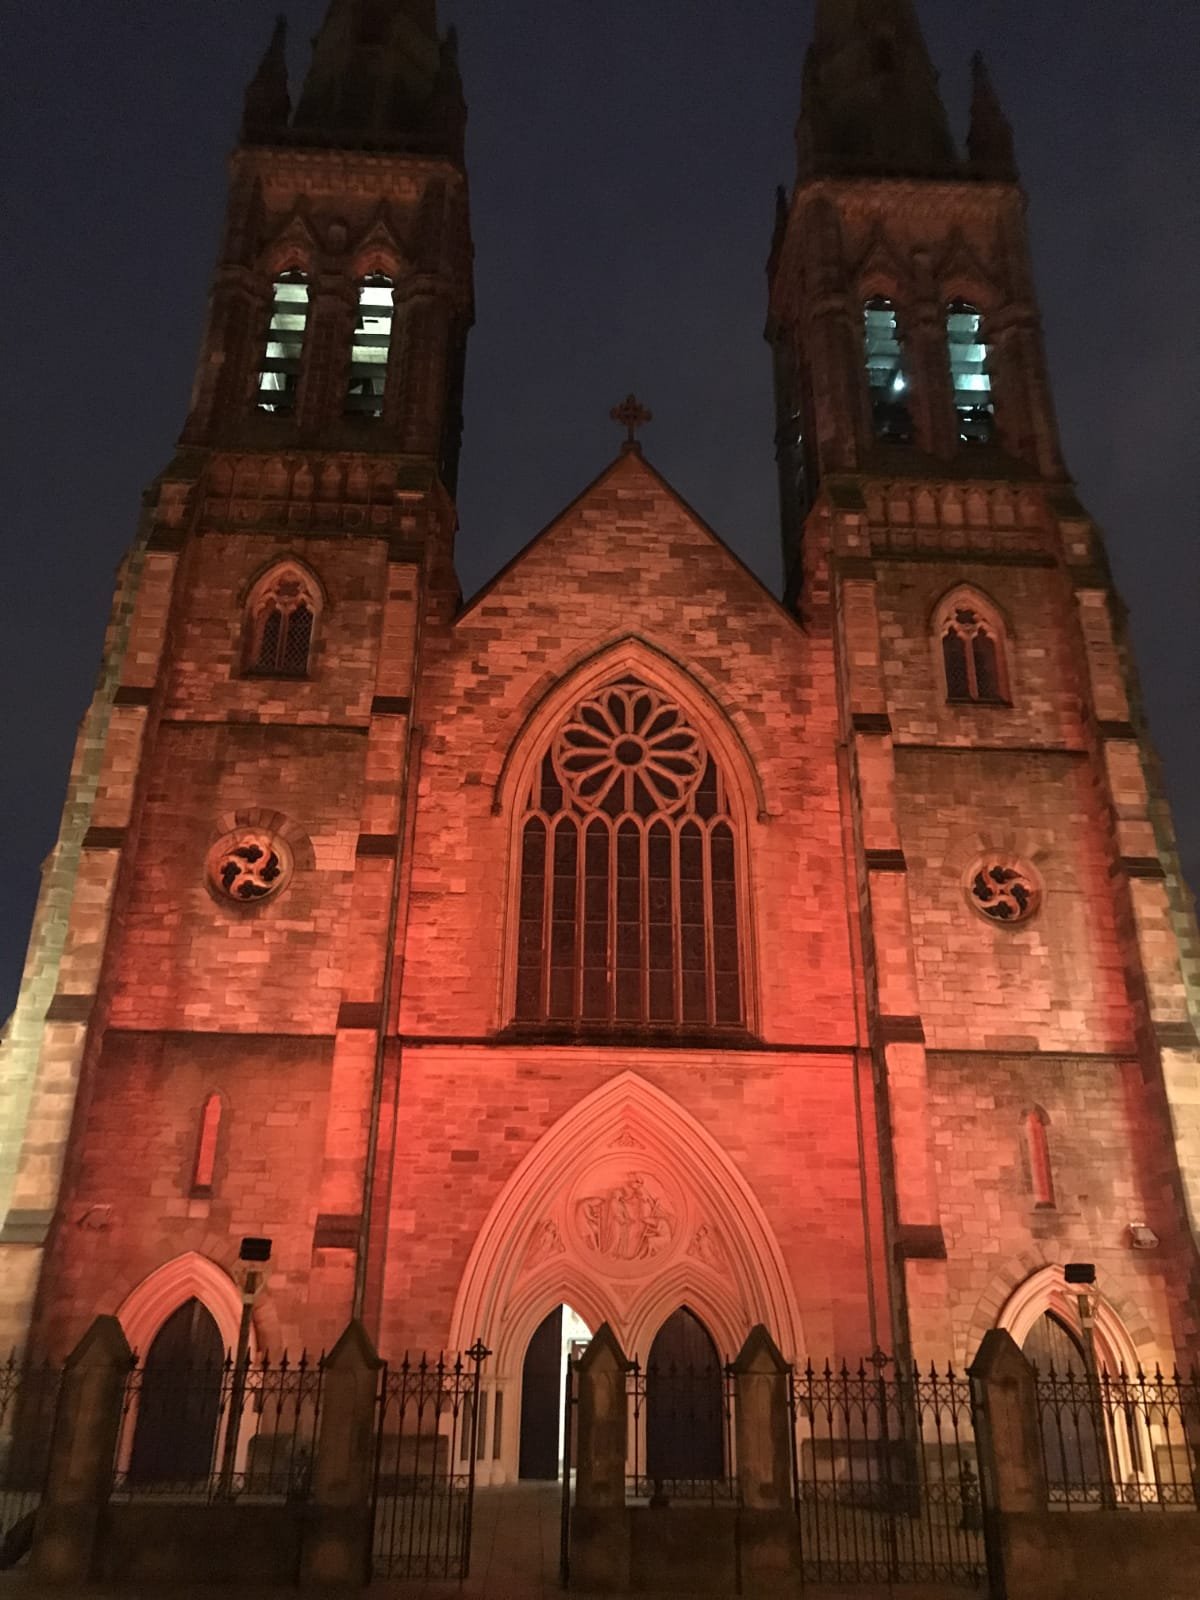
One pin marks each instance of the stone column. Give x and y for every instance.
(768, 1540)
(82, 1453)
(1011, 1471)
(336, 1550)
(600, 1543)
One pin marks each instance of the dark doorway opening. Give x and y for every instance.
(561, 1336)
(685, 1403)
(1073, 1445)
(179, 1401)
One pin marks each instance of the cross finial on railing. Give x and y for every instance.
(632, 415)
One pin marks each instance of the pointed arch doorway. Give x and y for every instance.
(685, 1404)
(561, 1336)
(179, 1402)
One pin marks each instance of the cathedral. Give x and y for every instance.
(623, 944)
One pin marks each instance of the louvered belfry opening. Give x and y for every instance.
(629, 892)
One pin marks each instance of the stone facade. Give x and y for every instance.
(847, 1166)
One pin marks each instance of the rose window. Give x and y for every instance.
(249, 867)
(628, 750)
(1004, 892)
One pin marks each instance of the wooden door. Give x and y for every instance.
(179, 1401)
(685, 1431)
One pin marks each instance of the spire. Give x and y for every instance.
(990, 140)
(268, 103)
(376, 71)
(871, 101)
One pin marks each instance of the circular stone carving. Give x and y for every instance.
(628, 748)
(249, 866)
(626, 1216)
(1004, 891)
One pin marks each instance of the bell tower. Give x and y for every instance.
(211, 963)
(1021, 915)
(343, 297)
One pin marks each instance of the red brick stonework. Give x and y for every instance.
(845, 1152)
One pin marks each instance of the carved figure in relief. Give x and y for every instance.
(627, 1222)
(706, 1246)
(545, 1243)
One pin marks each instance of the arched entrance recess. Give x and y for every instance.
(626, 1210)
(188, 1277)
(1049, 1291)
(179, 1402)
(1042, 1316)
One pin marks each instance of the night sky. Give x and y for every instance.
(623, 160)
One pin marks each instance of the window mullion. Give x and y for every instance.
(710, 955)
(612, 921)
(972, 675)
(548, 916)
(676, 921)
(644, 917)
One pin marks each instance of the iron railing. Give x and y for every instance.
(886, 1478)
(427, 1444)
(28, 1402)
(680, 1433)
(1114, 1441)
(219, 1430)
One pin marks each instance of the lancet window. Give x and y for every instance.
(279, 376)
(628, 904)
(887, 378)
(1037, 1150)
(280, 622)
(371, 348)
(973, 402)
(973, 655)
(206, 1148)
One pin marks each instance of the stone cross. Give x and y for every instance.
(632, 415)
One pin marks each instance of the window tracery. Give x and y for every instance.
(628, 903)
(973, 654)
(282, 617)
(1004, 891)
(249, 866)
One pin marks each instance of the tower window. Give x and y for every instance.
(279, 379)
(973, 655)
(887, 379)
(629, 894)
(972, 382)
(206, 1149)
(280, 621)
(371, 348)
(1037, 1151)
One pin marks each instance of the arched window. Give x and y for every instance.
(371, 348)
(973, 655)
(280, 620)
(206, 1148)
(969, 374)
(279, 376)
(1037, 1151)
(629, 893)
(887, 378)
